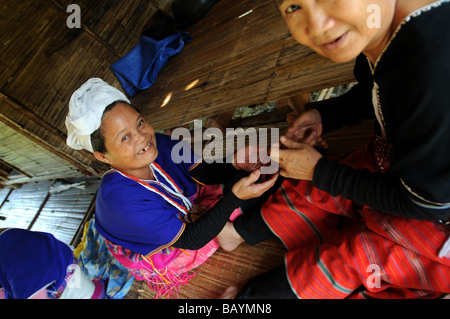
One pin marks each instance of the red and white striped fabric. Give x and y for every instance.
(337, 249)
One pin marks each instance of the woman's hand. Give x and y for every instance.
(250, 158)
(306, 128)
(247, 187)
(298, 161)
(195, 212)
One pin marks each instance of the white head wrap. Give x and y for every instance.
(86, 108)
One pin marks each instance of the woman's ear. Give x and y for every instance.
(101, 157)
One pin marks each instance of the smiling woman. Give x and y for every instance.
(129, 141)
(159, 216)
(338, 29)
(383, 208)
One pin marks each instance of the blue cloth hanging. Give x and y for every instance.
(138, 69)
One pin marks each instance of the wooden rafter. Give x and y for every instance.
(9, 106)
(12, 167)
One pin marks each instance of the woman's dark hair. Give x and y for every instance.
(98, 140)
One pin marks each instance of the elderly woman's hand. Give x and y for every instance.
(306, 128)
(249, 158)
(298, 161)
(247, 187)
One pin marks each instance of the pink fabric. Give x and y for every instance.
(99, 292)
(41, 294)
(168, 269)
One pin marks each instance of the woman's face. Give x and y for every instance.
(129, 140)
(340, 29)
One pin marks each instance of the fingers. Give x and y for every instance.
(269, 182)
(252, 177)
(262, 187)
(294, 133)
(248, 188)
(290, 143)
(250, 158)
(275, 152)
(278, 155)
(255, 167)
(296, 125)
(300, 127)
(283, 172)
(311, 138)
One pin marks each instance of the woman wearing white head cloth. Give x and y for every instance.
(146, 202)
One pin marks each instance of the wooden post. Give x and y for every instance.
(6, 198)
(79, 233)
(39, 211)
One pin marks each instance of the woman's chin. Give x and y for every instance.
(339, 58)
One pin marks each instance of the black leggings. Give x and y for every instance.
(250, 225)
(270, 285)
(253, 229)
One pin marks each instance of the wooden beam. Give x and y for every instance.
(79, 233)
(9, 106)
(105, 44)
(39, 211)
(299, 102)
(27, 113)
(262, 119)
(12, 167)
(6, 198)
(166, 9)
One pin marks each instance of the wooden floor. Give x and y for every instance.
(222, 270)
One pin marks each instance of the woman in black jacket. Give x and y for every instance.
(374, 223)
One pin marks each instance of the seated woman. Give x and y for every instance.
(148, 201)
(35, 265)
(373, 224)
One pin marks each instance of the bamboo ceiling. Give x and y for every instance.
(42, 62)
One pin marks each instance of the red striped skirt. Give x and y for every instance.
(338, 249)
